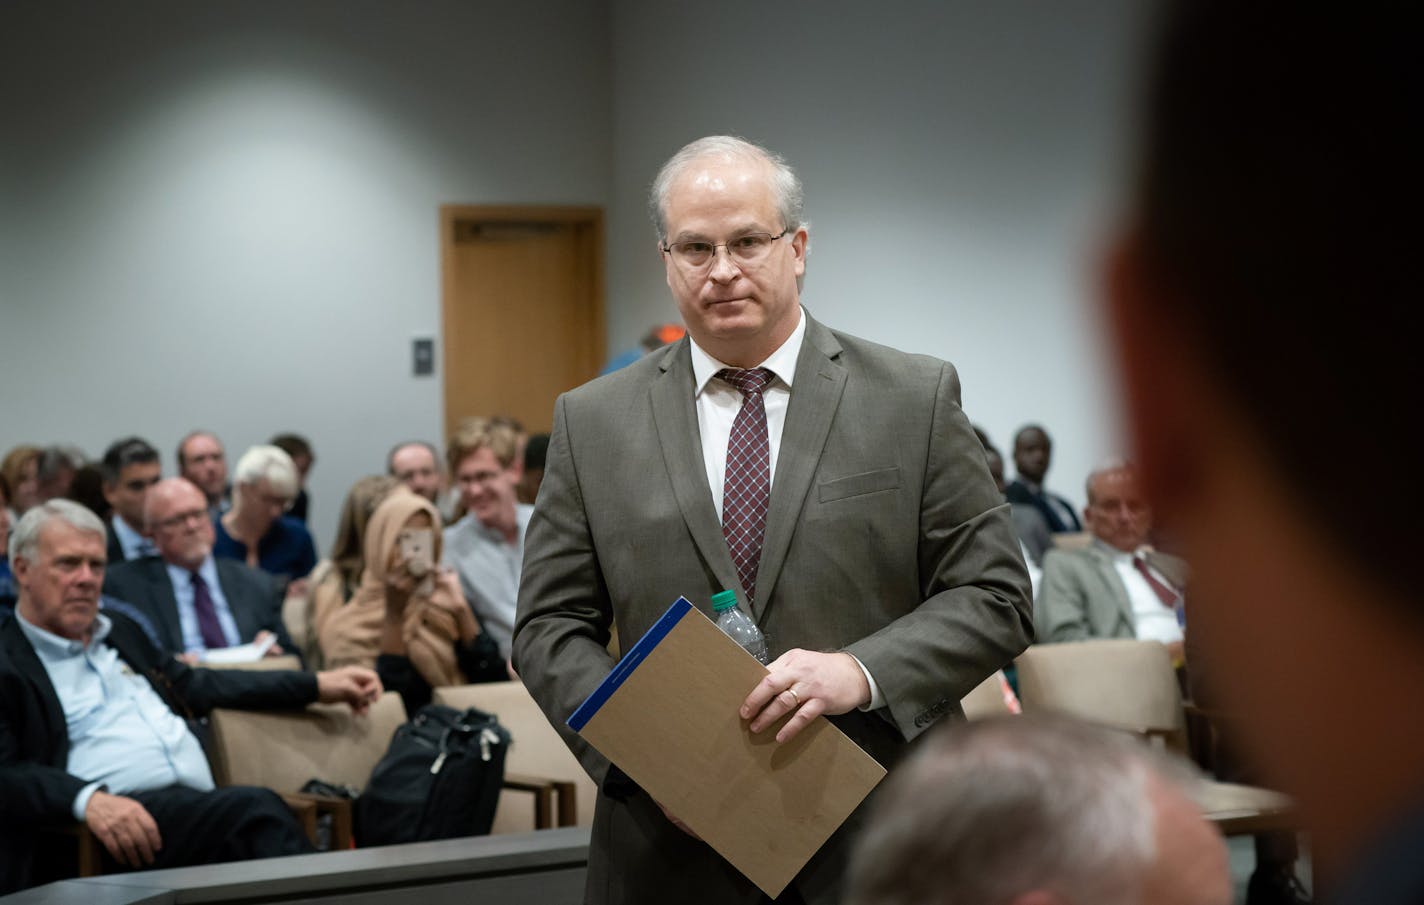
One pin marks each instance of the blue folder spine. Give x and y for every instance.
(630, 662)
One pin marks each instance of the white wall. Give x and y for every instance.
(224, 214)
(958, 159)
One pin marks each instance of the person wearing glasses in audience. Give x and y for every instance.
(880, 560)
(130, 466)
(257, 530)
(202, 460)
(196, 602)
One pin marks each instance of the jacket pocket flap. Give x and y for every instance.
(858, 484)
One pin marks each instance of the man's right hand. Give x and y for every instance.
(125, 827)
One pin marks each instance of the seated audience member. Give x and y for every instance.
(1033, 452)
(111, 748)
(255, 530)
(300, 449)
(130, 467)
(20, 469)
(7, 584)
(535, 451)
(1117, 586)
(336, 578)
(416, 465)
(199, 603)
(486, 546)
(202, 460)
(407, 617)
(1033, 810)
(57, 467)
(88, 488)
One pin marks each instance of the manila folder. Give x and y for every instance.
(668, 717)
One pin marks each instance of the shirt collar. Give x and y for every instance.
(1121, 556)
(782, 362)
(182, 577)
(51, 646)
(129, 539)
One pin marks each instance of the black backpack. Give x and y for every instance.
(439, 779)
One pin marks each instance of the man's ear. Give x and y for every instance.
(1162, 378)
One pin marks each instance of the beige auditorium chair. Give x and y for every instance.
(535, 750)
(283, 661)
(985, 700)
(1131, 685)
(282, 750)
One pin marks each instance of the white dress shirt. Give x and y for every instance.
(122, 737)
(134, 544)
(1152, 620)
(717, 405)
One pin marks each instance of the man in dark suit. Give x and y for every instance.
(1033, 453)
(130, 467)
(198, 602)
(834, 484)
(92, 722)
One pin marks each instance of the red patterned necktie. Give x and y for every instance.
(1165, 593)
(747, 491)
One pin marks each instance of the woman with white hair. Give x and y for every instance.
(256, 529)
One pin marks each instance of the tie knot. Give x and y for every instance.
(749, 381)
(197, 579)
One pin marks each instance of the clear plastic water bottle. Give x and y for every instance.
(739, 626)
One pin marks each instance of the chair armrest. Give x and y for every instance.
(308, 808)
(547, 793)
(89, 850)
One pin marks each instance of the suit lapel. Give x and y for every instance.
(1108, 572)
(675, 418)
(815, 394)
(166, 603)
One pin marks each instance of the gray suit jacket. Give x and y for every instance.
(252, 595)
(1081, 595)
(885, 537)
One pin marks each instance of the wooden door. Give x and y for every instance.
(523, 309)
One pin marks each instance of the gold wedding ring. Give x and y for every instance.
(794, 696)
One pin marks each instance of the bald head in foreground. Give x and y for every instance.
(1021, 810)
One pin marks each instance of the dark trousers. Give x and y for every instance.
(235, 823)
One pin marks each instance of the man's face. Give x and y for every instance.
(178, 522)
(740, 313)
(487, 487)
(206, 466)
(128, 493)
(1191, 865)
(1117, 512)
(1032, 452)
(414, 466)
(59, 589)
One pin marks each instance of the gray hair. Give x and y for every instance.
(55, 459)
(785, 185)
(270, 462)
(25, 536)
(1107, 466)
(994, 808)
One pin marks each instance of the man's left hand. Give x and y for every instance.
(809, 683)
(355, 685)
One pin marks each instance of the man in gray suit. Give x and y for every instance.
(1117, 586)
(197, 602)
(834, 484)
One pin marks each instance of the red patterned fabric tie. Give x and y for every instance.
(1164, 592)
(747, 491)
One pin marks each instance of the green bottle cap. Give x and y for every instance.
(724, 600)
